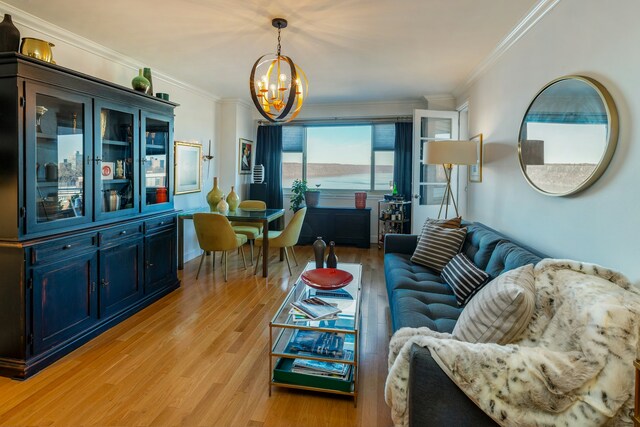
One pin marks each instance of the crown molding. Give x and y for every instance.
(537, 12)
(53, 31)
(440, 97)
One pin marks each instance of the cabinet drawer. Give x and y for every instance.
(157, 224)
(117, 234)
(62, 248)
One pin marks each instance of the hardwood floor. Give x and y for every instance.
(199, 357)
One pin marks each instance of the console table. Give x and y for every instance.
(345, 226)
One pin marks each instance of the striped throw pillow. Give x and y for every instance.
(438, 245)
(464, 278)
(444, 223)
(501, 311)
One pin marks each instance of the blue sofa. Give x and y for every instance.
(419, 297)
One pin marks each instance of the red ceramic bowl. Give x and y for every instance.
(326, 278)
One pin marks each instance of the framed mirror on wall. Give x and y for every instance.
(568, 136)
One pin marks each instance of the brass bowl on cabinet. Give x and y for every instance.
(37, 48)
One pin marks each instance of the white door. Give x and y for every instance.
(429, 181)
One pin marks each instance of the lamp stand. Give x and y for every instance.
(448, 167)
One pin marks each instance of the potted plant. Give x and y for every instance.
(312, 196)
(298, 189)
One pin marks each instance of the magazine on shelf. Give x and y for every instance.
(317, 342)
(320, 368)
(316, 308)
(300, 316)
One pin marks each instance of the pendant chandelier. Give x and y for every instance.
(278, 86)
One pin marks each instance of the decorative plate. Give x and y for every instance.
(327, 278)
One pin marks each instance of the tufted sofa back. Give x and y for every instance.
(492, 252)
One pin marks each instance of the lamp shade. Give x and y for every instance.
(450, 152)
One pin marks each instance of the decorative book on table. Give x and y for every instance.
(320, 343)
(316, 308)
(320, 368)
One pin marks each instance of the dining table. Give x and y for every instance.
(264, 217)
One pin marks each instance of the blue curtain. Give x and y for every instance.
(403, 162)
(269, 154)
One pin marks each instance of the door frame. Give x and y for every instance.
(420, 212)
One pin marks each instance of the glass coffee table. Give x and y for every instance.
(335, 368)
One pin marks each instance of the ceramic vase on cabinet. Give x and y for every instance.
(146, 72)
(9, 35)
(140, 83)
(214, 196)
(233, 200)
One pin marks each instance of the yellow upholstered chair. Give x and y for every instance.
(215, 234)
(284, 239)
(250, 229)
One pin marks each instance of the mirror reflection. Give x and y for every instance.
(566, 137)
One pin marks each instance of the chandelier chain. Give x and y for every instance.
(278, 40)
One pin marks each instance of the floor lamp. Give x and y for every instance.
(447, 154)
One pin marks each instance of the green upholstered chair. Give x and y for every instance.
(215, 234)
(285, 239)
(250, 229)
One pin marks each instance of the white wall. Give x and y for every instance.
(589, 37)
(195, 118)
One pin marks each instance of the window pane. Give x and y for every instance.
(384, 170)
(291, 168)
(339, 157)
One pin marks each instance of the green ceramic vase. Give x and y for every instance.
(233, 200)
(214, 196)
(140, 83)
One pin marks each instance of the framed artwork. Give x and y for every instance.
(475, 171)
(246, 151)
(188, 156)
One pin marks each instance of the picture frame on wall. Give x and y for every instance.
(188, 163)
(475, 171)
(245, 157)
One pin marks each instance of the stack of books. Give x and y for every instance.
(320, 368)
(313, 309)
(319, 343)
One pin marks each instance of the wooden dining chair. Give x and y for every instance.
(250, 229)
(285, 239)
(215, 234)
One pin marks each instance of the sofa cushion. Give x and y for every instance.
(401, 273)
(464, 277)
(507, 256)
(416, 309)
(479, 244)
(501, 311)
(437, 245)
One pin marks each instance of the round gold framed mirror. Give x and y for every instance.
(568, 136)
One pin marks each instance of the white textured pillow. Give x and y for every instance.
(501, 311)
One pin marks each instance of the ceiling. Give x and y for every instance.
(351, 50)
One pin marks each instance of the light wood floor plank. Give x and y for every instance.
(199, 357)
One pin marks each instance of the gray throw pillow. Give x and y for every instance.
(437, 245)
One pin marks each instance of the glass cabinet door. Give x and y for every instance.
(117, 170)
(156, 162)
(58, 158)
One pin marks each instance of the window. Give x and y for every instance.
(346, 157)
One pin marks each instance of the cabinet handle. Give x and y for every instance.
(66, 247)
(93, 286)
(123, 232)
(104, 283)
(98, 159)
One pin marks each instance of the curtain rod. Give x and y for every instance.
(341, 120)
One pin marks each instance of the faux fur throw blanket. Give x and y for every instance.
(573, 366)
